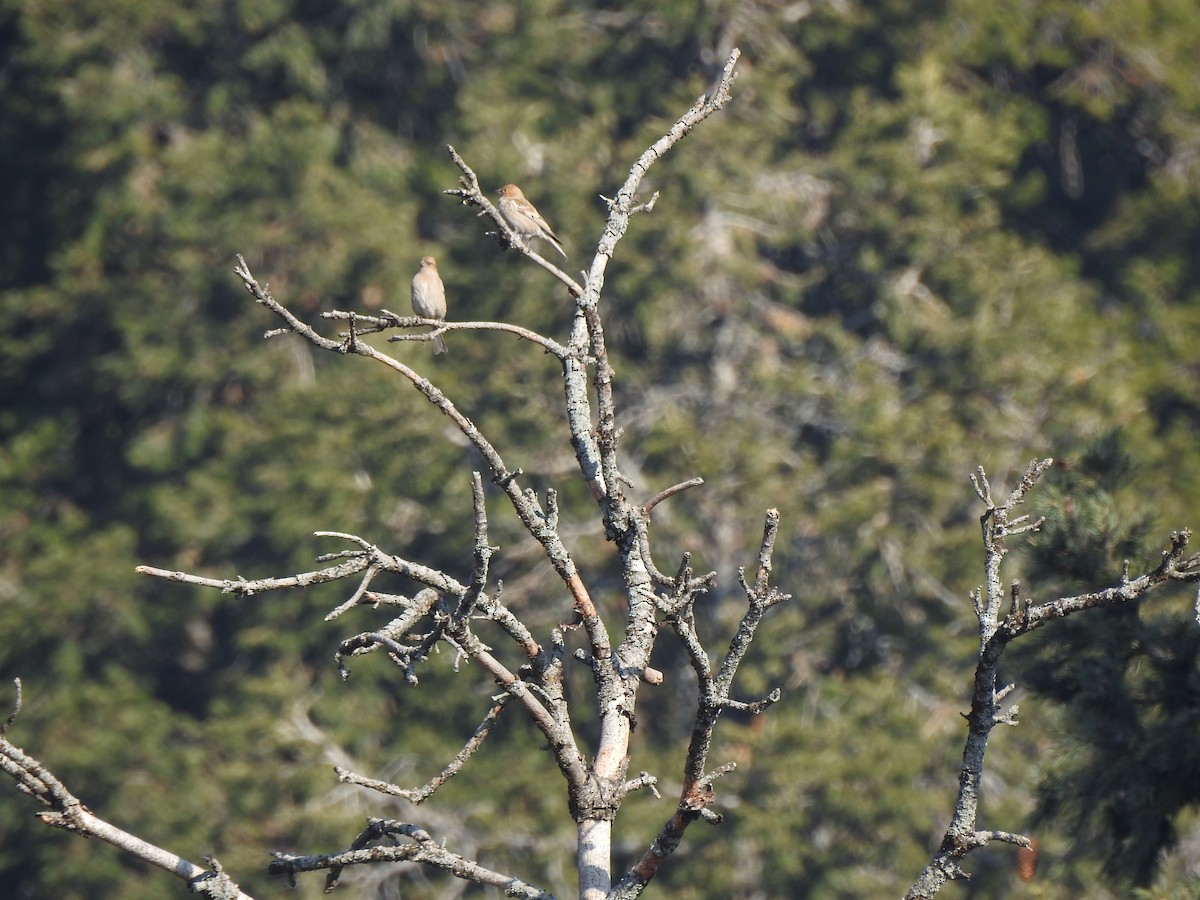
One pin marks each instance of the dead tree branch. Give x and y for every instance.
(423, 793)
(715, 698)
(421, 849)
(65, 810)
(962, 836)
(471, 194)
(446, 611)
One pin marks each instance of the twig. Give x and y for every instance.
(667, 493)
(423, 793)
(248, 588)
(16, 710)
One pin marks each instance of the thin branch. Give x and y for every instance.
(483, 553)
(548, 344)
(423, 793)
(685, 588)
(358, 594)
(262, 295)
(622, 207)
(404, 656)
(644, 781)
(761, 597)
(714, 698)
(368, 557)
(554, 725)
(962, 835)
(472, 195)
(642, 534)
(1174, 566)
(16, 710)
(391, 320)
(248, 588)
(626, 202)
(67, 812)
(499, 613)
(693, 805)
(667, 493)
(996, 527)
(422, 849)
(765, 551)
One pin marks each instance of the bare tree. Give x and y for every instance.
(451, 613)
(470, 617)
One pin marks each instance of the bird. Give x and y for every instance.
(429, 297)
(523, 217)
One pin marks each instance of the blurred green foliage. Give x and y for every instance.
(924, 237)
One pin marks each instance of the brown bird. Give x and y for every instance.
(523, 217)
(429, 297)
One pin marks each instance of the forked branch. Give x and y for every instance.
(715, 697)
(963, 836)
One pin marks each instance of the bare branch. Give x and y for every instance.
(447, 610)
(472, 195)
(588, 327)
(548, 344)
(761, 597)
(982, 488)
(642, 536)
(483, 553)
(404, 656)
(765, 551)
(366, 324)
(1024, 615)
(16, 711)
(526, 511)
(67, 812)
(1173, 567)
(361, 592)
(263, 296)
(667, 493)
(644, 780)
(423, 793)
(244, 588)
(421, 849)
(714, 698)
(626, 201)
(996, 528)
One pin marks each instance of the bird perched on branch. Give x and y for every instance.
(429, 297)
(523, 217)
